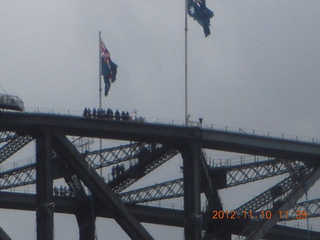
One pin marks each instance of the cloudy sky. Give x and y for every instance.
(258, 70)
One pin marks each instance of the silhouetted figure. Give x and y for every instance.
(123, 115)
(117, 170)
(94, 113)
(127, 116)
(200, 122)
(56, 191)
(109, 114)
(65, 191)
(113, 173)
(117, 115)
(122, 169)
(99, 113)
(85, 112)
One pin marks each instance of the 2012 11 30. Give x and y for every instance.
(259, 215)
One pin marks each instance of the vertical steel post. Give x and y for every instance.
(44, 186)
(192, 201)
(86, 221)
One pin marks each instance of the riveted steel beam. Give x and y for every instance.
(99, 188)
(191, 179)
(44, 186)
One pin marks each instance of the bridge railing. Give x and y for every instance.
(190, 124)
(7, 166)
(235, 130)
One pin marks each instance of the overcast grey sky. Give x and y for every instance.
(259, 68)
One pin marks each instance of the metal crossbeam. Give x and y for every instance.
(25, 175)
(147, 214)
(209, 189)
(259, 230)
(214, 202)
(170, 189)
(279, 191)
(97, 186)
(13, 146)
(5, 136)
(311, 209)
(4, 235)
(70, 178)
(271, 199)
(236, 175)
(144, 166)
(175, 135)
(242, 174)
(18, 177)
(114, 155)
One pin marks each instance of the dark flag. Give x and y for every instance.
(108, 68)
(198, 10)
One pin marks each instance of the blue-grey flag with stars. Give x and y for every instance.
(198, 10)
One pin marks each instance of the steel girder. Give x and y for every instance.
(176, 136)
(44, 186)
(281, 197)
(99, 188)
(297, 192)
(106, 157)
(165, 190)
(276, 193)
(5, 136)
(191, 182)
(14, 145)
(214, 203)
(155, 215)
(145, 165)
(214, 139)
(241, 174)
(311, 207)
(4, 235)
(25, 175)
(226, 176)
(235, 175)
(209, 186)
(18, 177)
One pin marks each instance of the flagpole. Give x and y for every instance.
(186, 62)
(100, 68)
(100, 95)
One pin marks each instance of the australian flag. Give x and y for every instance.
(198, 10)
(108, 68)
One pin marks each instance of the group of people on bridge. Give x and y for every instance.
(117, 170)
(106, 114)
(62, 191)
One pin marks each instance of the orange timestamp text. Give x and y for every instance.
(259, 215)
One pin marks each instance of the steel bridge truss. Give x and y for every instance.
(58, 156)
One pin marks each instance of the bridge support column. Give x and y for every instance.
(44, 185)
(191, 178)
(86, 221)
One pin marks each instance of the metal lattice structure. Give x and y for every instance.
(145, 148)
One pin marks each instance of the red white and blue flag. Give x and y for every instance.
(108, 68)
